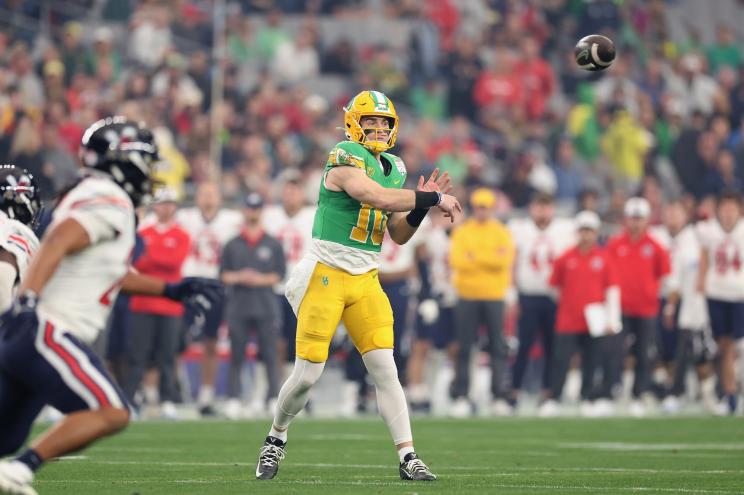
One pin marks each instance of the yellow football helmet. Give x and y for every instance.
(370, 103)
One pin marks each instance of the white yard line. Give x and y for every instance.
(650, 446)
(502, 472)
(367, 483)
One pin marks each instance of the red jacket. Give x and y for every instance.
(583, 278)
(166, 248)
(538, 85)
(640, 265)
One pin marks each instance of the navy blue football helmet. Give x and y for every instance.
(19, 194)
(124, 150)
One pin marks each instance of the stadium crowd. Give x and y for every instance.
(486, 90)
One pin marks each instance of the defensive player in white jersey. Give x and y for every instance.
(721, 279)
(684, 317)
(540, 239)
(64, 301)
(19, 208)
(291, 222)
(210, 227)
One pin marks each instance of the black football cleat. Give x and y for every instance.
(268, 459)
(207, 411)
(413, 468)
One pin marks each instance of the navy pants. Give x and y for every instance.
(536, 317)
(48, 366)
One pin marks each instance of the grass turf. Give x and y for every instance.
(510, 456)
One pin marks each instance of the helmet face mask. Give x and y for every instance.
(124, 150)
(19, 195)
(370, 104)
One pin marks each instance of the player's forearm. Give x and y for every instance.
(400, 230)
(140, 284)
(397, 200)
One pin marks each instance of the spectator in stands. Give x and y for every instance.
(481, 257)
(725, 52)
(252, 264)
(63, 166)
(692, 87)
(588, 312)
(641, 264)
(26, 152)
(571, 172)
(461, 71)
(724, 176)
(626, 144)
(296, 60)
(271, 35)
(23, 77)
(498, 88)
(156, 322)
(151, 35)
(536, 75)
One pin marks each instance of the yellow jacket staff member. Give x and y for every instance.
(481, 256)
(482, 252)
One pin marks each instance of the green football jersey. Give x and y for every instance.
(341, 218)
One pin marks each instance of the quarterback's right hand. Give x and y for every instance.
(449, 205)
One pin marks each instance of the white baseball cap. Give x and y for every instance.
(637, 208)
(165, 195)
(588, 220)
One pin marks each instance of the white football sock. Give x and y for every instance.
(390, 397)
(740, 361)
(206, 395)
(403, 452)
(294, 394)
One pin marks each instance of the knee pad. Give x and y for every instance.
(381, 366)
(306, 373)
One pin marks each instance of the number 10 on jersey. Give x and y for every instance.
(361, 232)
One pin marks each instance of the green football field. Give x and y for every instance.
(509, 456)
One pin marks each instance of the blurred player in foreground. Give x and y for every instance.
(65, 298)
(338, 278)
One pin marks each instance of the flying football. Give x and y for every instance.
(594, 52)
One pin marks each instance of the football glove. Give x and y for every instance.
(198, 294)
(21, 316)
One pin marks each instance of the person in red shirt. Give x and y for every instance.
(498, 87)
(537, 79)
(641, 264)
(156, 322)
(583, 276)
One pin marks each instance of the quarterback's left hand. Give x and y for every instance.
(21, 316)
(198, 293)
(436, 183)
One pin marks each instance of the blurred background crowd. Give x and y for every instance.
(246, 96)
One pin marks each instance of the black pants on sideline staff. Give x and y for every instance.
(267, 330)
(565, 345)
(639, 338)
(469, 316)
(153, 339)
